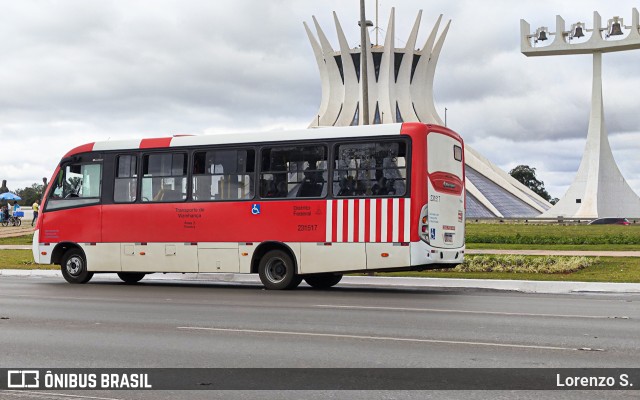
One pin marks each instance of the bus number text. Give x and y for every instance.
(307, 228)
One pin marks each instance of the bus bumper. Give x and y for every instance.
(41, 253)
(423, 254)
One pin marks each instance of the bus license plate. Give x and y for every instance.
(448, 237)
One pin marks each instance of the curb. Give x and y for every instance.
(548, 287)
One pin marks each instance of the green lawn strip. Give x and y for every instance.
(567, 247)
(20, 259)
(553, 234)
(608, 269)
(17, 240)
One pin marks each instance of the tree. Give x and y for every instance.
(527, 176)
(31, 194)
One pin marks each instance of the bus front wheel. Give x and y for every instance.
(74, 267)
(277, 271)
(322, 281)
(131, 277)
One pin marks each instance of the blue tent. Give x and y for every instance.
(9, 196)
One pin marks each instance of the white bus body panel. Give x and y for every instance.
(317, 258)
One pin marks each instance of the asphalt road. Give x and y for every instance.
(47, 323)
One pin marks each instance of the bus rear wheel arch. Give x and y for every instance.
(277, 271)
(74, 266)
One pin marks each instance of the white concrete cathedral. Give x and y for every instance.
(401, 90)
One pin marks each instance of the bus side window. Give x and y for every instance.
(75, 185)
(370, 169)
(223, 175)
(164, 177)
(126, 182)
(294, 171)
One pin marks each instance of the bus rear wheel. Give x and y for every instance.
(74, 267)
(131, 277)
(322, 281)
(277, 271)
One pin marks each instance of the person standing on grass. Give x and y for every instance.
(35, 208)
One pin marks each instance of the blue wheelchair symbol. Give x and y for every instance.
(433, 233)
(255, 209)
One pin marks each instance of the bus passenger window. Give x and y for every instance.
(164, 177)
(294, 171)
(370, 169)
(126, 183)
(223, 175)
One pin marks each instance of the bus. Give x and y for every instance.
(308, 205)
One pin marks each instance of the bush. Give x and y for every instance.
(525, 264)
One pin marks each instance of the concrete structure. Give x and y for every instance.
(599, 189)
(401, 90)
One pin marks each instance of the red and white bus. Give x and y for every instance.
(307, 204)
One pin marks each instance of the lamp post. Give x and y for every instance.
(599, 189)
(363, 64)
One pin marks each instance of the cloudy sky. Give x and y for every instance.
(78, 71)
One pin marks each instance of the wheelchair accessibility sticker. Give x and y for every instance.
(255, 209)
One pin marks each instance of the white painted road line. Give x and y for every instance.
(435, 310)
(39, 394)
(359, 337)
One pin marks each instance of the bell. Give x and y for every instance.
(616, 29)
(542, 36)
(578, 32)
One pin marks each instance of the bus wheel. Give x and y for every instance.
(322, 281)
(131, 277)
(277, 271)
(74, 267)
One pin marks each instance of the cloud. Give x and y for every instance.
(74, 72)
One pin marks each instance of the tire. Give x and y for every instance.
(74, 267)
(278, 272)
(5, 222)
(131, 277)
(18, 222)
(322, 281)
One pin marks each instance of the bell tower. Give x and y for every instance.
(599, 189)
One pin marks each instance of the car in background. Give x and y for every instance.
(610, 221)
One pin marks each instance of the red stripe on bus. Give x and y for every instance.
(378, 237)
(390, 222)
(345, 220)
(80, 149)
(356, 220)
(401, 237)
(334, 224)
(367, 220)
(155, 142)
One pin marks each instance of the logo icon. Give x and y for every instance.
(255, 209)
(433, 233)
(19, 379)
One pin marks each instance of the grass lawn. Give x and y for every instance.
(575, 247)
(554, 235)
(20, 259)
(17, 240)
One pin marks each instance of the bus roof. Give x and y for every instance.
(254, 137)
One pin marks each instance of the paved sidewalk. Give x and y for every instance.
(375, 281)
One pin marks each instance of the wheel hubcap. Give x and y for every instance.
(276, 270)
(74, 265)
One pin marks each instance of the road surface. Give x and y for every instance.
(47, 323)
